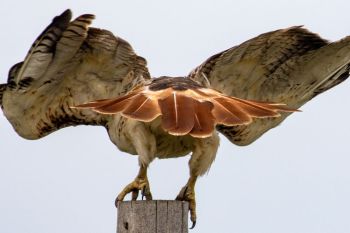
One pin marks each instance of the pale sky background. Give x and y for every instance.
(295, 179)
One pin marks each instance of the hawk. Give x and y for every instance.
(75, 74)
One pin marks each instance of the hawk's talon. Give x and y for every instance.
(143, 193)
(134, 195)
(139, 184)
(187, 194)
(193, 225)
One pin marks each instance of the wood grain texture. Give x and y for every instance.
(152, 217)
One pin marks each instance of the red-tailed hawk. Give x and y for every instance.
(74, 74)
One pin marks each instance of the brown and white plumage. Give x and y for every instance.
(289, 66)
(69, 63)
(238, 92)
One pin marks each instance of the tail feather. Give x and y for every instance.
(195, 112)
(204, 120)
(114, 104)
(133, 105)
(228, 112)
(232, 111)
(177, 113)
(142, 108)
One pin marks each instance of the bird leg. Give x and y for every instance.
(139, 184)
(202, 157)
(187, 194)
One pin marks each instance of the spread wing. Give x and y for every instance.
(69, 63)
(288, 66)
(185, 107)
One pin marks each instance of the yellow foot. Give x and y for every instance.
(187, 194)
(139, 184)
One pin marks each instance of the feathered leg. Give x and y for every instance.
(202, 157)
(145, 145)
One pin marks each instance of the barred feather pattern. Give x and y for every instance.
(291, 66)
(70, 62)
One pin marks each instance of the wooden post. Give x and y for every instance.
(152, 217)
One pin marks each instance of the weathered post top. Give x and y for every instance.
(152, 217)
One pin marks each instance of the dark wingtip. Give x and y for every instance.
(88, 16)
(66, 14)
(62, 19)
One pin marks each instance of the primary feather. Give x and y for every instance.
(289, 66)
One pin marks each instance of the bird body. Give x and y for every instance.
(172, 116)
(74, 74)
(148, 140)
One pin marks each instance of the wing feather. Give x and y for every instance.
(40, 54)
(289, 66)
(70, 63)
(72, 39)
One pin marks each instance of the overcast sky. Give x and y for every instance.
(295, 179)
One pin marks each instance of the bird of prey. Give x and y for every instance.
(75, 74)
